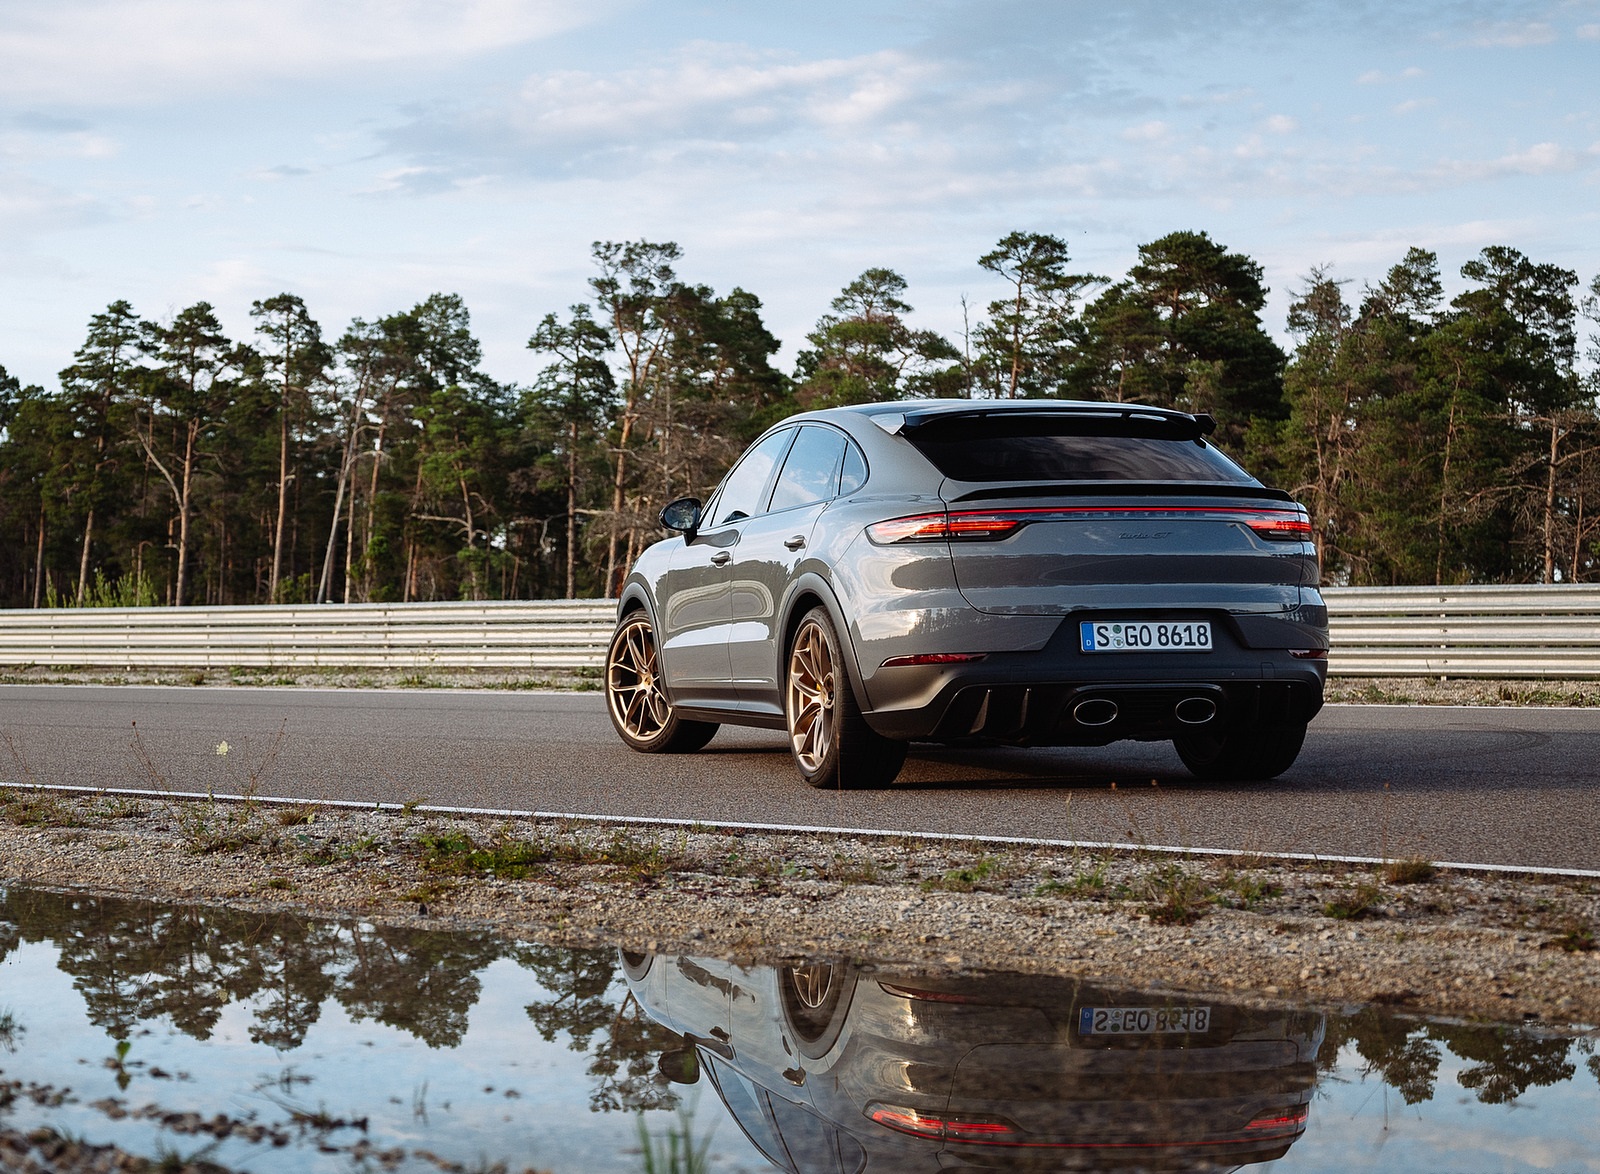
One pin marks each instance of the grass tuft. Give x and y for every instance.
(1354, 904)
(1176, 896)
(965, 880)
(1414, 871)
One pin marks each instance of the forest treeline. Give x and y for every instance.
(1434, 440)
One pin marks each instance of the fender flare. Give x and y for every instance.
(812, 583)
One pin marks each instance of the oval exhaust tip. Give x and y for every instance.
(1195, 711)
(1095, 711)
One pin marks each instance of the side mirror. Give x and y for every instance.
(680, 1066)
(682, 515)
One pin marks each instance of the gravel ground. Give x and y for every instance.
(1456, 943)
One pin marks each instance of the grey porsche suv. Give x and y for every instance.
(1025, 572)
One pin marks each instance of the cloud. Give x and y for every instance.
(1589, 32)
(28, 205)
(281, 171)
(26, 145)
(1511, 34)
(117, 51)
(712, 106)
(1413, 105)
(1154, 131)
(1282, 124)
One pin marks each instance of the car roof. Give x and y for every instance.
(907, 415)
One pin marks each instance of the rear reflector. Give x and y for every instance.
(1278, 525)
(933, 658)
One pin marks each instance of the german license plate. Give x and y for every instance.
(1143, 1020)
(1142, 636)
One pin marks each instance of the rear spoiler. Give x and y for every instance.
(1110, 419)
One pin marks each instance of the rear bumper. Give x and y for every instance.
(1038, 698)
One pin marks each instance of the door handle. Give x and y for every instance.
(721, 559)
(796, 542)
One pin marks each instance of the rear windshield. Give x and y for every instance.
(1063, 447)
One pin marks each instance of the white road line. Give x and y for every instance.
(809, 829)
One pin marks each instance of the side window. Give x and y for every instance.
(811, 472)
(744, 1102)
(744, 490)
(855, 470)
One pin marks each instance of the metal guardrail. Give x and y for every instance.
(542, 635)
(1546, 631)
(1538, 631)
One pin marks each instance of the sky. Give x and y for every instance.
(366, 153)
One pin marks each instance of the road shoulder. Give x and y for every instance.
(1436, 941)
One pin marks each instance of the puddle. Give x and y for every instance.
(275, 1043)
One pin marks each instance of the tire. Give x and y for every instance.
(1242, 755)
(832, 744)
(638, 705)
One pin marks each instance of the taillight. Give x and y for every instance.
(933, 658)
(1277, 525)
(1309, 653)
(942, 1126)
(941, 527)
(1286, 1123)
(1281, 526)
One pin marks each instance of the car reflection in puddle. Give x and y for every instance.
(283, 1044)
(831, 1069)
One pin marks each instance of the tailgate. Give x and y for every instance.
(1053, 557)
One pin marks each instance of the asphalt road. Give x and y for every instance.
(1493, 786)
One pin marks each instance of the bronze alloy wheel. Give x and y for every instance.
(812, 983)
(813, 690)
(832, 743)
(816, 998)
(636, 698)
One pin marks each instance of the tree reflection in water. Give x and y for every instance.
(1405, 1053)
(134, 960)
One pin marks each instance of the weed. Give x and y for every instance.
(335, 852)
(1409, 872)
(675, 1151)
(965, 880)
(409, 807)
(1354, 904)
(119, 807)
(427, 891)
(296, 814)
(1576, 939)
(642, 860)
(10, 1030)
(1094, 881)
(208, 826)
(39, 809)
(279, 882)
(458, 854)
(852, 870)
(1249, 889)
(1176, 895)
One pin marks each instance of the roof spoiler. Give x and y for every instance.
(1183, 425)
